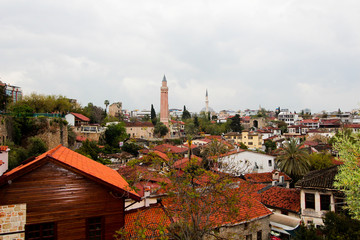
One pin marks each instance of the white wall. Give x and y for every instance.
(4, 156)
(244, 162)
(70, 119)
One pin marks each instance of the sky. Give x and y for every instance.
(280, 53)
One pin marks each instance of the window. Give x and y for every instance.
(250, 143)
(259, 235)
(309, 200)
(284, 212)
(94, 228)
(250, 137)
(270, 163)
(40, 231)
(324, 202)
(249, 237)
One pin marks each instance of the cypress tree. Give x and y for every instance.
(153, 115)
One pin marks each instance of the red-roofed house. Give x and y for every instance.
(354, 127)
(177, 129)
(76, 119)
(167, 148)
(273, 178)
(67, 195)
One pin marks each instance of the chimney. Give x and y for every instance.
(4, 159)
(146, 196)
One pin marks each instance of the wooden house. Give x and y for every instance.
(67, 196)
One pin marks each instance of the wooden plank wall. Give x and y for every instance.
(55, 194)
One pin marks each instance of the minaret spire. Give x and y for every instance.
(164, 104)
(207, 102)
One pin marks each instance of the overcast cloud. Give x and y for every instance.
(293, 54)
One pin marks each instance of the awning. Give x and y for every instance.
(284, 224)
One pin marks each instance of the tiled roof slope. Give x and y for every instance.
(165, 148)
(1, 162)
(81, 164)
(323, 178)
(151, 219)
(264, 177)
(283, 198)
(81, 117)
(3, 148)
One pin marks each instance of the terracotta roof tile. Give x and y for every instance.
(264, 177)
(80, 163)
(323, 178)
(182, 163)
(3, 148)
(81, 117)
(165, 148)
(1, 163)
(151, 219)
(283, 198)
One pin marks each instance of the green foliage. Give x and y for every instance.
(89, 149)
(160, 129)
(235, 124)
(242, 146)
(293, 160)
(46, 103)
(196, 121)
(4, 98)
(36, 146)
(106, 102)
(186, 114)
(16, 155)
(340, 226)
(153, 115)
(95, 113)
(283, 126)
(348, 177)
(306, 233)
(270, 145)
(71, 136)
(131, 148)
(191, 129)
(114, 134)
(320, 160)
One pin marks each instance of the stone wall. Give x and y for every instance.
(54, 135)
(3, 130)
(12, 222)
(248, 230)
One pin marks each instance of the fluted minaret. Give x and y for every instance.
(164, 104)
(206, 102)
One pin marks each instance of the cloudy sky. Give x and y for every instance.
(293, 54)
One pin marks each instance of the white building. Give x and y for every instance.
(4, 159)
(241, 161)
(288, 117)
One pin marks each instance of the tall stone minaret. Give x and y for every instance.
(164, 104)
(206, 102)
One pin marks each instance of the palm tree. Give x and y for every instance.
(106, 102)
(293, 160)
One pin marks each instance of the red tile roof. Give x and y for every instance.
(81, 164)
(1, 163)
(80, 138)
(352, 126)
(182, 163)
(218, 213)
(283, 198)
(165, 148)
(150, 219)
(310, 121)
(264, 177)
(180, 122)
(81, 117)
(3, 148)
(162, 155)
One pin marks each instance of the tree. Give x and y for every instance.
(36, 146)
(153, 115)
(89, 149)
(95, 113)
(320, 160)
(235, 124)
(186, 114)
(270, 145)
(106, 102)
(348, 177)
(160, 129)
(196, 121)
(114, 134)
(293, 160)
(4, 98)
